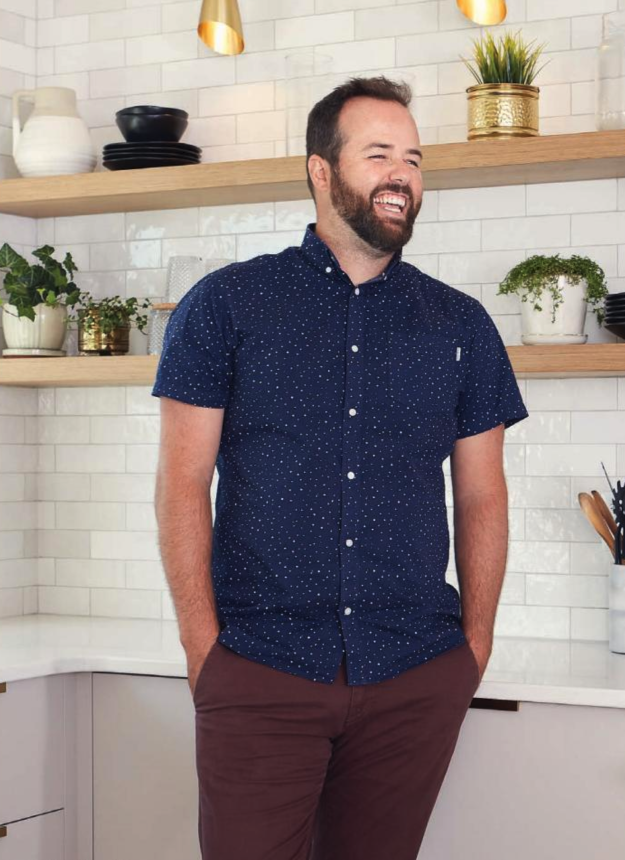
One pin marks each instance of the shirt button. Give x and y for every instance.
(351, 475)
(354, 348)
(357, 291)
(328, 269)
(352, 411)
(347, 610)
(349, 542)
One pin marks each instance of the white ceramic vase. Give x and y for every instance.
(616, 603)
(55, 140)
(46, 331)
(570, 317)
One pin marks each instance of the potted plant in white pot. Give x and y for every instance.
(555, 293)
(34, 318)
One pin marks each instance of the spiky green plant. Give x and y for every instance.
(508, 60)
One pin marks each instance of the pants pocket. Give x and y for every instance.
(214, 651)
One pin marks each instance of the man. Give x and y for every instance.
(331, 665)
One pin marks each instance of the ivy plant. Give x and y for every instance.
(530, 277)
(109, 313)
(47, 282)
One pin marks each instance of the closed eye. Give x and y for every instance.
(410, 161)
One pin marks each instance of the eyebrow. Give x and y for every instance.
(388, 146)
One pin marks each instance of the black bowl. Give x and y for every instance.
(616, 328)
(152, 126)
(151, 109)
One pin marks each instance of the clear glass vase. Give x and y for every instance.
(610, 74)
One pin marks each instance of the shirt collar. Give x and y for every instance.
(321, 257)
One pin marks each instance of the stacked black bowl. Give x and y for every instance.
(152, 139)
(614, 319)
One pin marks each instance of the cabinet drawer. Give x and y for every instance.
(39, 838)
(32, 748)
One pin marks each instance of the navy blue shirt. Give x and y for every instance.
(341, 403)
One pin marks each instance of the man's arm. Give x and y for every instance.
(189, 442)
(480, 533)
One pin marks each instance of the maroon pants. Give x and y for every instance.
(293, 769)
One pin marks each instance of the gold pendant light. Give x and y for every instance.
(484, 12)
(220, 26)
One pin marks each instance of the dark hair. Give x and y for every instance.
(323, 136)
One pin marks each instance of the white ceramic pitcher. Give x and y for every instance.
(55, 139)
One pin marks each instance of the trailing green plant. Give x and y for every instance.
(507, 60)
(109, 313)
(530, 277)
(48, 282)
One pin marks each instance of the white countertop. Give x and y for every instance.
(556, 671)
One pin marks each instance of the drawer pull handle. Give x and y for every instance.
(3, 687)
(3, 831)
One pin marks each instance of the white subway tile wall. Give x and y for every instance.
(77, 466)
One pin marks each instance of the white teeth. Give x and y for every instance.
(395, 201)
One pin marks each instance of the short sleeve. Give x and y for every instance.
(491, 394)
(196, 360)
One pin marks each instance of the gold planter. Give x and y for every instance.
(96, 342)
(502, 110)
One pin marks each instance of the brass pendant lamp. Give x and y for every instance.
(485, 12)
(220, 26)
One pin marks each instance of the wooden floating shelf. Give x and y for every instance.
(470, 164)
(595, 359)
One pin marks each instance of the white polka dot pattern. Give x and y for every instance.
(341, 405)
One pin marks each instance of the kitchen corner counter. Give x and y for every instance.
(553, 671)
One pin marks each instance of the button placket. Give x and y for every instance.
(351, 458)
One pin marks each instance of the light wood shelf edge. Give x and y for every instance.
(595, 359)
(468, 164)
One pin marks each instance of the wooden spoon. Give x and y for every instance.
(605, 511)
(588, 506)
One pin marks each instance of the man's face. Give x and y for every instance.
(376, 188)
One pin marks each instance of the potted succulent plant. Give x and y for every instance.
(555, 293)
(34, 318)
(104, 324)
(503, 103)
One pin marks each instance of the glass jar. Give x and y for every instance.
(159, 317)
(610, 74)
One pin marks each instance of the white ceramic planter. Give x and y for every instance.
(616, 603)
(570, 316)
(46, 331)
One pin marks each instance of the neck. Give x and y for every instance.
(359, 261)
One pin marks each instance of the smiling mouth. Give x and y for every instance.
(395, 204)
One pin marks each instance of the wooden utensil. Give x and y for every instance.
(605, 511)
(588, 506)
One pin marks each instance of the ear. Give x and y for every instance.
(319, 170)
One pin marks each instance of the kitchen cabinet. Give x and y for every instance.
(145, 784)
(45, 768)
(39, 838)
(546, 782)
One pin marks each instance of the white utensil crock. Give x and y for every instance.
(616, 603)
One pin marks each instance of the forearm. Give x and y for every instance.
(185, 531)
(480, 547)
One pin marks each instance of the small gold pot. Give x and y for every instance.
(502, 110)
(96, 342)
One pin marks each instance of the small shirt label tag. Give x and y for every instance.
(458, 348)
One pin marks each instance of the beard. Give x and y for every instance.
(359, 213)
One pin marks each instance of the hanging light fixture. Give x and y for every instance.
(220, 26)
(484, 12)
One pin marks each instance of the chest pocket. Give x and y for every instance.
(426, 370)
